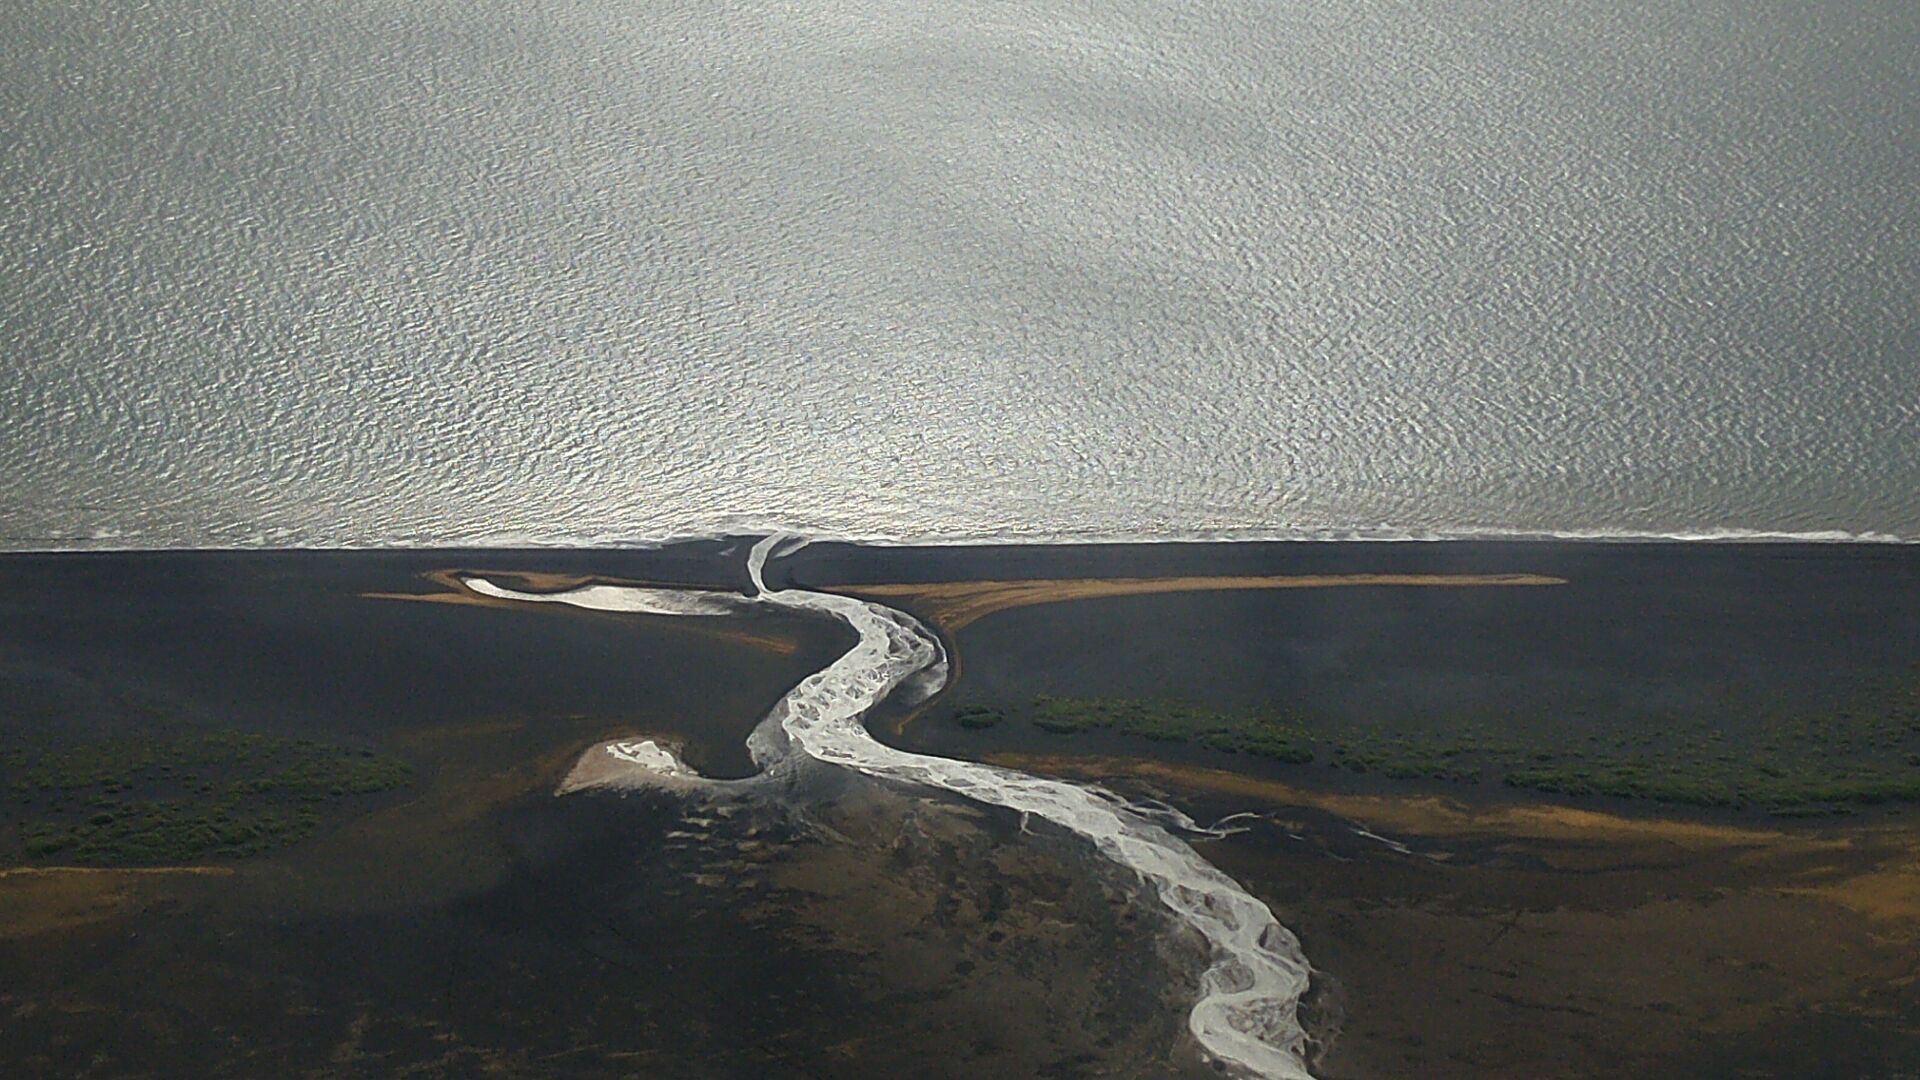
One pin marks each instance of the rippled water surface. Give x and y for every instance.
(350, 273)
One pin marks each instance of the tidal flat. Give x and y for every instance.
(456, 916)
(1651, 816)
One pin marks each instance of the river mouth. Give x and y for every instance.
(475, 919)
(1245, 1014)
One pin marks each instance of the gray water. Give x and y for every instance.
(331, 273)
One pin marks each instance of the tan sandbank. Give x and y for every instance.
(109, 871)
(1420, 815)
(954, 604)
(1870, 869)
(534, 581)
(43, 899)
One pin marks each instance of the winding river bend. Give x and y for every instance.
(1246, 1016)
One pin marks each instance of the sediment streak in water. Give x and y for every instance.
(1246, 1016)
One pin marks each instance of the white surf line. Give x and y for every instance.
(1247, 1013)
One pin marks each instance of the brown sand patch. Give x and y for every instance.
(1872, 870)
(1528, 940)
(42, 899)
(954, 604)
(1423, 815)
(435, 844)
(537, 582)
(109, 871)
(1888, 894)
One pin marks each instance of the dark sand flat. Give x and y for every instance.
(1491, 931)
(474, 921)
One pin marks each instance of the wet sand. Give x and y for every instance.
(1636, 634)
(1485, 931)
(476, 922)
(954, 605)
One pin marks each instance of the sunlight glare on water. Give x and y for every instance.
(351, 273)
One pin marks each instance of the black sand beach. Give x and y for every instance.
(1617, 643)
(470, 920)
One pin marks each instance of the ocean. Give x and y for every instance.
(332, 273)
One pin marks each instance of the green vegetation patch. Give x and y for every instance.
(1265, 734)
(978, 717)
(1863, 754)
(222, 794)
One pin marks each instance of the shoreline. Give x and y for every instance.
(1527, 907)
(732, 532)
